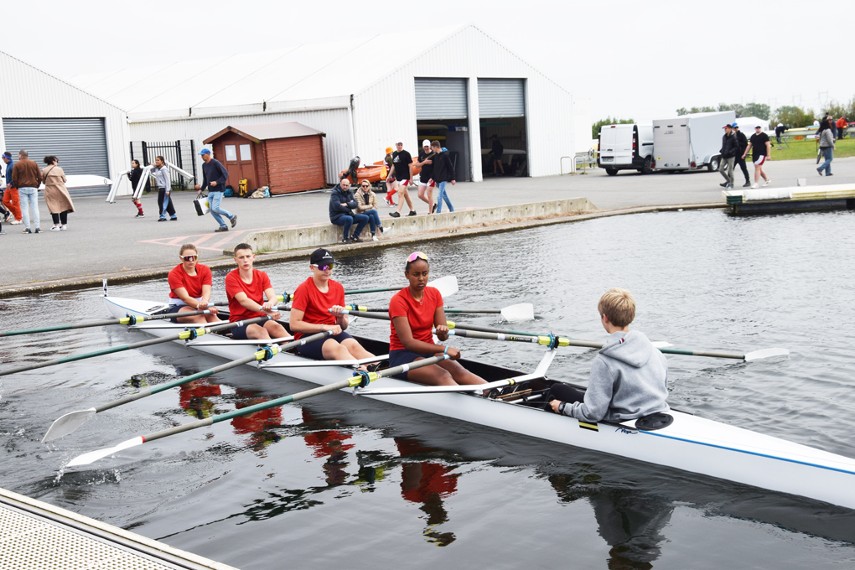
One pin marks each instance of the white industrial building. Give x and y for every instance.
(459, 86)
(48, 116)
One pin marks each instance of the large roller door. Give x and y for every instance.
(499, 98)
(440, 99)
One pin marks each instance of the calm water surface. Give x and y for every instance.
(338, 481)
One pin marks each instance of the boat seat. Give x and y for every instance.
(654, 422)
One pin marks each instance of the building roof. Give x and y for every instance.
(267, 131)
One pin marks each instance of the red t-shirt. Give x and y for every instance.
(254, 290)
(178, 278)
(420, 315)
(316, 305)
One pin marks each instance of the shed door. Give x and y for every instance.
(499, 98)
(441, 99)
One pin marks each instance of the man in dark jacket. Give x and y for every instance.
(443, 173)
(214, 178)
(729, 150)
(742, 141)
(342, 211)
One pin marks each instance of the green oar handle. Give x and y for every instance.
(106, 322)
(353, 381)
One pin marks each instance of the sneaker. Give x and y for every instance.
(723, 184)
(63, 227)
(38, 231)
(729, 186)
(755, 186)
(819, 171)
(6, 218)
(234, 220)
(161, 219)
(345, 240)
(380, 228)
(54, 228)
(412, 213)
(221, 229)
(173, 219)
(140, 215)
(356, 239)
(768, 181)
(746, 185)
(395, 214)
(829, 174)
(374, 238)
(15, 222)
(27, 231)
(433, 208)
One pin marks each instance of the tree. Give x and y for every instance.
(793, 117)
(684, 111)
(595, 129)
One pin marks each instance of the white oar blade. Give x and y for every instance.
(66, 424)
(447, 285)
(93, 456)
(518, 312)
(661, 343)
(767, 353)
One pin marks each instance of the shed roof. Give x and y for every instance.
(267, 131)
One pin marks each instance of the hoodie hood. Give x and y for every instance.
(631, 348)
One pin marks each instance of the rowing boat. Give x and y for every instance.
(688, 442)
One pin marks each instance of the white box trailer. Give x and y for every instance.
(625, 147)
(689, 142)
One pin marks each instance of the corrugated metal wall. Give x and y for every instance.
(29, 93)
(80, 143)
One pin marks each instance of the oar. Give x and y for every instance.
(360, 379)
(552, 340)
(447, 286)
(187, 334)
(69, 422)
(285, 297)
(128, 320)
(518, 312)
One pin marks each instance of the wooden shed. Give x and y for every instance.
(287, 157)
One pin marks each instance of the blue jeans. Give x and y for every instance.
(214, 199)
(346, 221)
(30, 207)
(373, 220)
(443, 195)
(827, 154)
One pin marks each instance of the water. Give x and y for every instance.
(340, 481)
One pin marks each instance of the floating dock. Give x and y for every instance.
(792, 199)
(36, 535)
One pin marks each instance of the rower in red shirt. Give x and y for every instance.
(190, 287)
(246, 289)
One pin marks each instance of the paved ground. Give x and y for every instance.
(106, 240)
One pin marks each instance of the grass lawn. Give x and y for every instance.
(796, 149)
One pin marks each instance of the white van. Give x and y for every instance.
(690, 142)
(626, 147)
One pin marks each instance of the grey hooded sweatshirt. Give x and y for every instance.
(628, 380)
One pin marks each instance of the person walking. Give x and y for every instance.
(11, 196)
(826, 146)
(214, 178)
(728, 152)
(134, 176)
(761, 149)
(443, 173)
(57, 198)
(426, 185)
(26, 177)
(401, 161)
(164, 190)
(742, 142)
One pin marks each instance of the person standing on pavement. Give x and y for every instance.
(390, 178)
(11, 197)
(425, 185)
(164, 190)
(443, 173)
(26, 177)
(57, 198)
(401, 161)
(761, 149)
(214, 177)
(826, 146)
(742, 141)
(134, 175)
(728, 152)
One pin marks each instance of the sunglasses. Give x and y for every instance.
(366, 185)
(324, 266)
(189, 257)
(416, 255)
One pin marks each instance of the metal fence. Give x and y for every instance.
(179, 153)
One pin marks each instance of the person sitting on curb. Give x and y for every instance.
(366, 203)
(341, 210)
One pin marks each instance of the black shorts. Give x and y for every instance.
(314, 349)
(400, 357)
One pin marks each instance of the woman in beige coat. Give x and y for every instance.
(56, 194)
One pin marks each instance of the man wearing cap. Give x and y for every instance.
(728, 153)
(164, 190)
(401, 161)
(425, 174)
(11, 198)
(318, 306)
(27, 177)
(214, 177)
(742, 141)
(761, 148)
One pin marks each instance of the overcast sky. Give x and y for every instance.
(630, 59)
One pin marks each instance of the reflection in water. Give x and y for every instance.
(195, 398)
(261, 425)
(427, 482)
(631, 523)
(328, 443)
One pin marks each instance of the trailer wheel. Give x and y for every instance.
(713, 165)
(611, 171)
(647, 167)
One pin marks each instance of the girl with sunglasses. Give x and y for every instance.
(415, 311)
(366, 203)
(190, 287)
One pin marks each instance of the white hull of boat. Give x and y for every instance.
(689, 443)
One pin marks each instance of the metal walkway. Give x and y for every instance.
(36, 535)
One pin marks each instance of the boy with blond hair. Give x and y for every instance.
(628, 377)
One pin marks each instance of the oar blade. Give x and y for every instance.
(68, 423)
(93, 456)
(766, 353)
(447, 285)
(519, 312)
